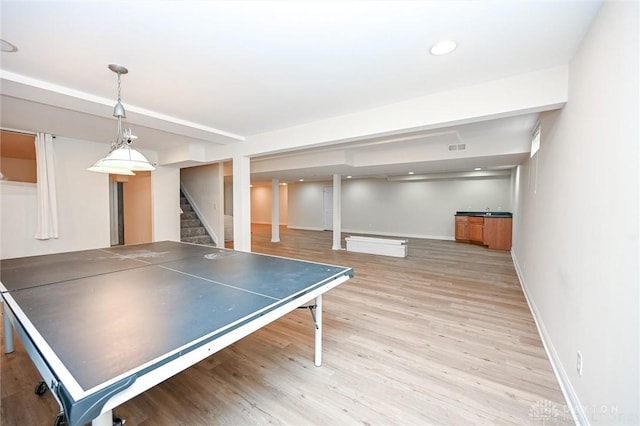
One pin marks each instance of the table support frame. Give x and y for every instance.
(99, 406)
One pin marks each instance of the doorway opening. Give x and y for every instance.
(130, 208)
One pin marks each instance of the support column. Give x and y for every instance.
(337, 215)
(241, 203)
(219, 205)
(275, 211)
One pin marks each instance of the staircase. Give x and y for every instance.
(191, 229)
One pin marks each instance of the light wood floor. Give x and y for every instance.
(442, 337)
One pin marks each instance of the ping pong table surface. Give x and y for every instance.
(104, 325)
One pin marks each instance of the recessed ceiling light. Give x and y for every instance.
(478, 168)
(300, 180)
(443, 47)
(349, 177)
(410, 173)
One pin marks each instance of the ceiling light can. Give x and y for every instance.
(443, 47)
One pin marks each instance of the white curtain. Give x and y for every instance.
(47, 205)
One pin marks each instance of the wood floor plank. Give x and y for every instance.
(443, 337)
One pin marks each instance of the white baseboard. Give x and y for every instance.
(265, 223)
(385, 234)
(570, 396)
(305, 228)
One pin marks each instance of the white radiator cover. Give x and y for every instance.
(381, 246)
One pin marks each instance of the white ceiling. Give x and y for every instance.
(221, 72)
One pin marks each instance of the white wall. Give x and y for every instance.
(304, 209)
(228, 198)
(261, 202)
(202, 183)
(576, 243)
(83, 205)
(421, 209)
(165, 198)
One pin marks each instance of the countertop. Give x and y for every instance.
(485, 214)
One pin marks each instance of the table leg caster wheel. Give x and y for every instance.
(60, 420)
(117, 421)
(41, 388)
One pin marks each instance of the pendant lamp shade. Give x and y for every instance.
(122, 159)
(101, 168)
(127, 158)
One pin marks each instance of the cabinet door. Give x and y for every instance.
(498, 233)
(476, 229)
(462, 228)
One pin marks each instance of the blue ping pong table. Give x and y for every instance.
(105, 325)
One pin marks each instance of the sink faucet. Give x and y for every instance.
(487, 209)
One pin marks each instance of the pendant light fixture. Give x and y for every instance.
(122, 158)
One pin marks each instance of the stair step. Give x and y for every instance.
(191, 229)
(190, 223)
(201, 239)
(193, 232)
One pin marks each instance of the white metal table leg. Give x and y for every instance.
(8, 329)
(318, 332)
(104, 419)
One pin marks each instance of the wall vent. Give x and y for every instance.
(457, 147)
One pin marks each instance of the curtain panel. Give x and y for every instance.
(47, 205)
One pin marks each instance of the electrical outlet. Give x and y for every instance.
(579, 363)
